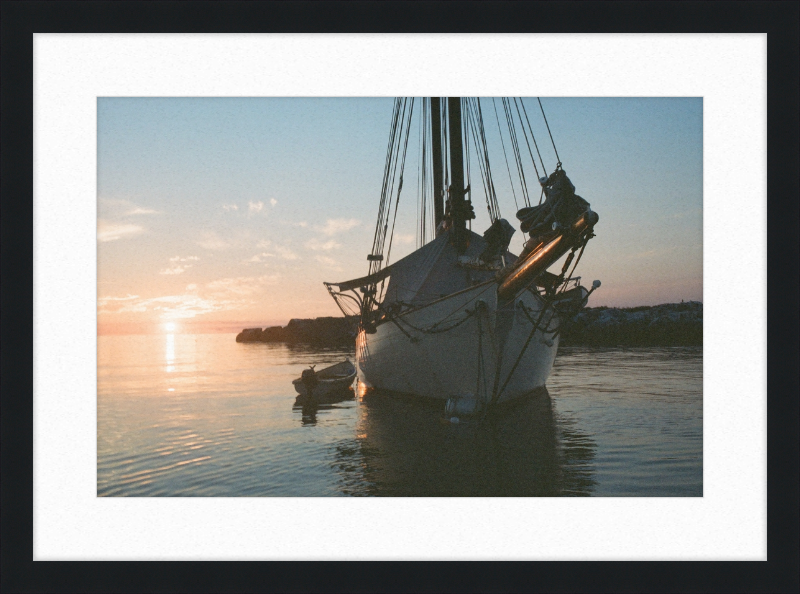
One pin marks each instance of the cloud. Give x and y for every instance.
(108, 231)
(103, 301)
(118, 207)
(228, 207)
(169, 306)
(285, 253)
(176, 269)
(302, 224)
(211, 241)
(334, 226)
(276, 251)
(282, 253)
(141, 211)
(316, 245)
(185, 306)
(112, 228)
(221, 295)
(241, 285)
(329, 262)
(273, 202)
(255, 206)
(186, 259)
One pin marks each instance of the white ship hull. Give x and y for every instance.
(456, 347)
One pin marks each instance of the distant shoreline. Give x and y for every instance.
(670, 324)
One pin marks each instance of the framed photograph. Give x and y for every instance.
(197, 171)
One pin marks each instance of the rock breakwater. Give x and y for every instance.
(671, 324)
(327, 331)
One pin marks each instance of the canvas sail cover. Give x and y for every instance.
(433, 271)
(429, 273)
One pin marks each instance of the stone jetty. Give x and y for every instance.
(327, 331)
(671, 324)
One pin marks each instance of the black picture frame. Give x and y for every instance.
(780, 20)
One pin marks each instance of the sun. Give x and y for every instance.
(170, 326)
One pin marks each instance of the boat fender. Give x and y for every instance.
(462, 405)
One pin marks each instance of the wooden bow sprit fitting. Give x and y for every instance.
(536, 262)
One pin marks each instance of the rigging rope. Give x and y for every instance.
(434, 328)
(376, 241)
(422, 177)
(465, 143)
(496, 393)
(400, 185)
(515, 146)
(490, 189)
(525, 111)
(583, 247)
(533, 159)
(394, 177)
(479, 140)
(445, 145)
(474, 131)
(548, 131)
(505, 156)
(393, 161)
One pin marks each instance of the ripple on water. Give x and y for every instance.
(617, 422)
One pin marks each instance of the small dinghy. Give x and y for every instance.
(325, 382)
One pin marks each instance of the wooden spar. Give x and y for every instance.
(458, 208)
(535, 263)
(456, 159)
(438, 163)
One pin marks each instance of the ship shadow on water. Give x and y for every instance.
(406, 448)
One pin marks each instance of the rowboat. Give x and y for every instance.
(328, 381)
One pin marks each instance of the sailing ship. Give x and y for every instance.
(462, 319)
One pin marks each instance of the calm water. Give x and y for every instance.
(202, 415)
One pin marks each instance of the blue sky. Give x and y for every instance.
(221, 210)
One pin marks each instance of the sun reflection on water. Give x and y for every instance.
(170, 353)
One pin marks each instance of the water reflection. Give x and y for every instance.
(309, 407)
(170, 353)
(405, 447)
(202, 415)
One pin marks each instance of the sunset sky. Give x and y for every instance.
(214, 214)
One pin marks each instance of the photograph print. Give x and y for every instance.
(413, 296)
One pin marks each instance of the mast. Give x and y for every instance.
(438, 164)
(456, 162)
(460, 209)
